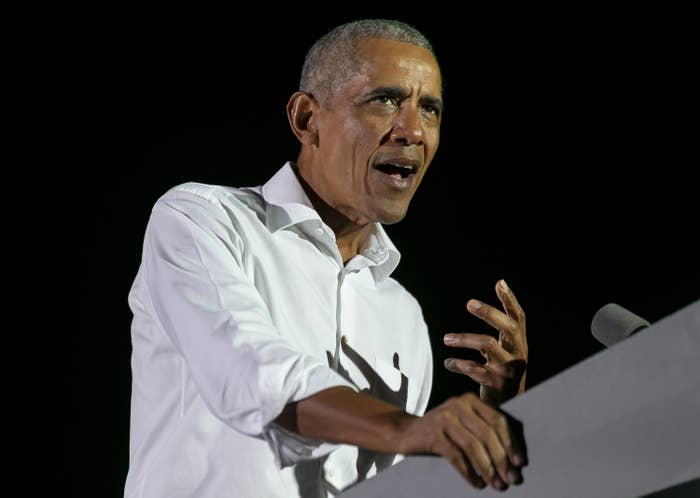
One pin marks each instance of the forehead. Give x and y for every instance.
(392, 63)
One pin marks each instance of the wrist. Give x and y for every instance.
(398, 433)
(492, 396)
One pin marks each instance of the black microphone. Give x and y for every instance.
(613, 323)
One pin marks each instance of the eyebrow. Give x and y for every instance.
(400, 93)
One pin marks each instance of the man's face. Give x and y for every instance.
(378, 134)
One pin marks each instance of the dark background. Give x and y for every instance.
(567, 148)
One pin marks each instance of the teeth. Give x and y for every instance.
(409, 168)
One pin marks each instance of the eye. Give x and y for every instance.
(432, 110)
(386, 99)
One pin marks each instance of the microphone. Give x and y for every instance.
(613, 323)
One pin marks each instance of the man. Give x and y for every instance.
(273, 355)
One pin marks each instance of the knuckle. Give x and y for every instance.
(488, 435)
(502, 422)
(458, 365)
(470, 446)
(446, 416)
(441, 417)
(449, 402)
(491, 343)
(452, 405)
(470, 397)
(503, 430)
(498, 452)
(493, 443)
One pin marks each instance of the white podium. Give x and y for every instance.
(623, 423)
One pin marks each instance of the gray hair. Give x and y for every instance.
(330, 61)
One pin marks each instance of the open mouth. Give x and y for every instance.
(396, 170)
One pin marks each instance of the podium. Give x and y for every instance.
(623, 423)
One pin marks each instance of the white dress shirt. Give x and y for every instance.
(241, 305)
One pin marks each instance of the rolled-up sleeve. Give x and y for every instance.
(208, 307)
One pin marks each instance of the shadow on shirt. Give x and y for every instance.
(309, 474)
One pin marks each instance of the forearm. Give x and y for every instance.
(341, 415)
(473, 436)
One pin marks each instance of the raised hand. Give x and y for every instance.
(503, 375)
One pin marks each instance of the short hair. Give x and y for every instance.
(331, 60)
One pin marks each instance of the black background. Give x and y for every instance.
(568, 144)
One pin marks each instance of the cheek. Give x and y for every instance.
(363, 141)
(431, 143)
(369, 129)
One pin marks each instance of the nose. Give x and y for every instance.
(408, 129)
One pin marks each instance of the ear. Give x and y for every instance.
(302, 112)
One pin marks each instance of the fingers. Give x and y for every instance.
(510, 324)
(494, 444)
(488, 346)
(455, 441)
(509, 301)
(476, 454)
(509, 432)
(472, 475)
(494, 317)
(485, 376)
(517, 441)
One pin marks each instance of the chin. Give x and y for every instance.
(391, 221)
(389, 217)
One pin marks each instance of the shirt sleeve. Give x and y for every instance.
(208, 307)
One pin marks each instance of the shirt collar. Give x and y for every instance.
(287, 204)
(381, 250)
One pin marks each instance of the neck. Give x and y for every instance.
(349, 236)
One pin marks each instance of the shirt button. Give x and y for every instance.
(330, 473)
(320, 230)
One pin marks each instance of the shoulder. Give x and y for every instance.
(215, 195)
(195, 199)
(228, 212)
